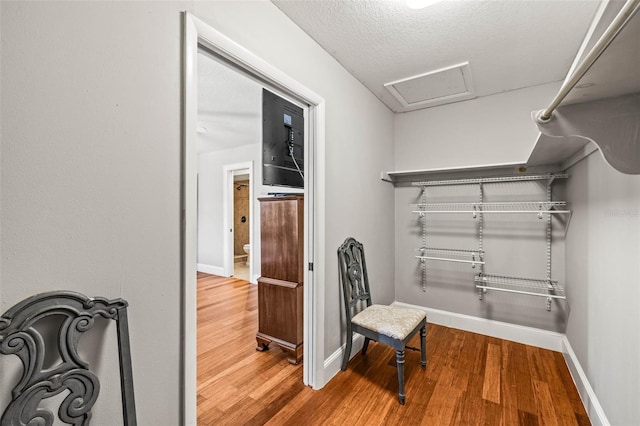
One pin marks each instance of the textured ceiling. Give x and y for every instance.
(509, 44)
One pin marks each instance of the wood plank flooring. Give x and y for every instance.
(470, 379)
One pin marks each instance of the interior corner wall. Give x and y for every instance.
(489, 130)
(358, 146)
(90, 179)
(603, 277)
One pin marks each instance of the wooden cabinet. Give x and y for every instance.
(280, 296)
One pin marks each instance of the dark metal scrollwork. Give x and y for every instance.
(18, 336)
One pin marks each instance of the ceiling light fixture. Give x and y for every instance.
(420, 4)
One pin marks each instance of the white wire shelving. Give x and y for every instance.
(523, 178)
(510, 207)
(472, 257)
(529, 286)
(548, 288)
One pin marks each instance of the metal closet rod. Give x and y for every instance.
(621, 20)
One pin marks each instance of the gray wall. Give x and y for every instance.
(488, 130)
(603, 272)
(90, 178)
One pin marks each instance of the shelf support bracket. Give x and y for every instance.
(549, 229)
(480, 236)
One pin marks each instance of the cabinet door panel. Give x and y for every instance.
(281, 235)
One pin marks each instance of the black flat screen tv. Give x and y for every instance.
(282, 142)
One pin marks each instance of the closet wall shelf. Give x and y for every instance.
(537, 207)
(472, 257)
(529, 286)
(472, 181)
(463, 174)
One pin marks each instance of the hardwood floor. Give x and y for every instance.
(470, 379)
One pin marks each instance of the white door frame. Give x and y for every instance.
(228, 229)
(196, 33)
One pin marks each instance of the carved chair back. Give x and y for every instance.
(353, 275)
(18, 336)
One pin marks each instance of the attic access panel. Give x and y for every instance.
(439, 87)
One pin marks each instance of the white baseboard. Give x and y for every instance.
(588, 396)
(208, 269)
(333, 363)
(516, 333)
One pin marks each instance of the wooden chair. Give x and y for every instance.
(18, 336)
(390, 325)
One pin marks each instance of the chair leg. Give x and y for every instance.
(365, 346)
(423, 347)
(400, 362)
(347, 352)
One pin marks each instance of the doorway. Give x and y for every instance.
(239, 220)
(196, 34)
(241, 227)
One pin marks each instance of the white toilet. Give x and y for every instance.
(247, 249)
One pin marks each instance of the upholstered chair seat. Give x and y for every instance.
(391, 321)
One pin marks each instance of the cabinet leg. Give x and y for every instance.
(294, 356)
(263, 344)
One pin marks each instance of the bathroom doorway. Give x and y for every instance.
(241, 227)
(239, 220)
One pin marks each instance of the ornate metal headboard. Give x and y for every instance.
(18, 336)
